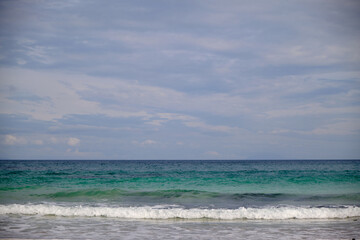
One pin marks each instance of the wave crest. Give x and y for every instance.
(147, 212)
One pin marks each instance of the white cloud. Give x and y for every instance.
(73, 141)
(10, 139)
(22, 140)
(13, 140)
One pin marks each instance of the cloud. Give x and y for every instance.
(53, 140)
(321, 55)
(344, 127)
(148, 142)
(78, 94)
(223, 75)
(21, 61)
(145, 142)
(157, 122)
(311, 109)
(212, 153)
(60, 93)
(215, 128)
(73, 141)
(38, 142)
(13, 140)
(10, 139)
(171, 40)
(341, 128)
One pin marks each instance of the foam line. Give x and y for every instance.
(147, 212)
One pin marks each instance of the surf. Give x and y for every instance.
(177, 212)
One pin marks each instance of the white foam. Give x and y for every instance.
(148, 212)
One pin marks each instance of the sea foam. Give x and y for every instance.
(147, 212)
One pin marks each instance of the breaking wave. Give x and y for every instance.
(171, 212)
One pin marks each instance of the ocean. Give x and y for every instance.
(280, 199)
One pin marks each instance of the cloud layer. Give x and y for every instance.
(179, 80)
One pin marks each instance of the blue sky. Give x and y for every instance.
(180, 79)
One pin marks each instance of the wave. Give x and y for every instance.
(166, 212)
(194, 194)
(166, 194)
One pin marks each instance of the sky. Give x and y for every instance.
(189, 79)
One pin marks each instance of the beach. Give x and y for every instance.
(31, 227)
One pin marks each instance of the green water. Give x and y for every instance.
(189, 183)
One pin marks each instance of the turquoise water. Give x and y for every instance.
(222, 184)
(32, 192)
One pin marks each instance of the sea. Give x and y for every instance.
(180, 199)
